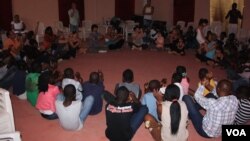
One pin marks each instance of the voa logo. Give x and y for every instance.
(236, 132)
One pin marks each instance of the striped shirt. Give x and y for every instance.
(219, 111)
(243, 113)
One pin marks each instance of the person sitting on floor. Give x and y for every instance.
(128, 82)
(74, 44)
(47, 96)
(173, 115)
(159, 41)
(178, 48)
(137, 38)
(69, 78)
(163, 85)
(124, 115)
(149, 100)
(12, 45)
(17, 25)
(113, 40)
(32, 83)
(19, 80)
(95, 88)
(205, 75)
(176, 79)
(71, 112)
(95, 39)
(49, 41)
(243, 113)
(185, 80)
(219, 111)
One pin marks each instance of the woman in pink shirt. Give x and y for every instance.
(47, 96)
(185, 80)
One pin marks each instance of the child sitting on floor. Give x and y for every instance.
(185, 80)
(159, 41)
(72, 112)
(137, 38)
(163, 85)
(205, 75)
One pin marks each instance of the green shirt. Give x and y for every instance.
(32, 87)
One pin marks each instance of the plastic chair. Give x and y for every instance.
(40, 32)
(129, 28)
(86, 29)
(7, 128)
(181, 24)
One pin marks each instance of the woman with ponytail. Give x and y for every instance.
(173, 115)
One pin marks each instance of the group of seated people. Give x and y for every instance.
(164, 108)
(31, 70)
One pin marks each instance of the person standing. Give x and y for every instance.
(148, 11)
(74, 18)
(234, 14)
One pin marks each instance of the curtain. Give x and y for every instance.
(220, 8)
(5, 14)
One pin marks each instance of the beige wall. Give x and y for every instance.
(47, 10)
(202, 10)
(163, 9)
(96, 10)
(32, 11)
(246, 15)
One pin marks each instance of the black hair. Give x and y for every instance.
(203, 21)
(176, 77)
(154, 85)
(181, 70)
(94, 77)
(202, 73)
(48, 30)
(8, 33)
(43, 81)
(122, 95)
(172, 93)
(30, 35)
(69, 73)
(243, 92)
(69, 92)
(36, 67)
(21, 65)
(128, 76)
(94, 26)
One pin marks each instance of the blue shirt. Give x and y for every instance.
(149, 100)
(210, 54)
(96, 90)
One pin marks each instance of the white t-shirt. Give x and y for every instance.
(69, 116)
(74, 20)
(148, 10)
(77, 84)
(17, 26)
(199, 37)
(181, 90)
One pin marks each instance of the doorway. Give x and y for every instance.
(5, 14)
(184, 10)
(65, 5)
(124, 9)
(220, 8)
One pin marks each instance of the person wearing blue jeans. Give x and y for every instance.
(124, 115)
(72, 113)
(194, 114)
(219, 111)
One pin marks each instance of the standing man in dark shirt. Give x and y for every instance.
(234, 14)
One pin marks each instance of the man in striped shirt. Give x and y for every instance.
(219, 111)
(243, 113)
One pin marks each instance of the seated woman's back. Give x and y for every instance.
(182, 133)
